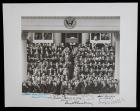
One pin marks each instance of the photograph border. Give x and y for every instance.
(2, 92)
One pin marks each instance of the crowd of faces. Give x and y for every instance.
(70, 69)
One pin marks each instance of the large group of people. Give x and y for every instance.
(70, 69)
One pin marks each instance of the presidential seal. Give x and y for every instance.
(70, 22)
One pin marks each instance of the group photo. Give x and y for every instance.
(71, 62)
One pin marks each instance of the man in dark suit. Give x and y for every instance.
(29, 87)
(24, 87)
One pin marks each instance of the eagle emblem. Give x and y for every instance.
(70, 22)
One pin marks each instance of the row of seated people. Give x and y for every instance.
(51, 47)
(47, 69)
(48, 64)
(40, 51)
(61, 59)
(61, 85)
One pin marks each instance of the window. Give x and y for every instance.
(105, 36)
(47, 36)
(95, 36)
(38, 36)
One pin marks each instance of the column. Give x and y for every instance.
(24, 58)
(117, 55)
(85, 38)
(57, 38)
(113, 40)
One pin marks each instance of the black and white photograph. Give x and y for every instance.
(63, 55)
(73, 62)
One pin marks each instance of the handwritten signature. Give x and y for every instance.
(78, 102)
